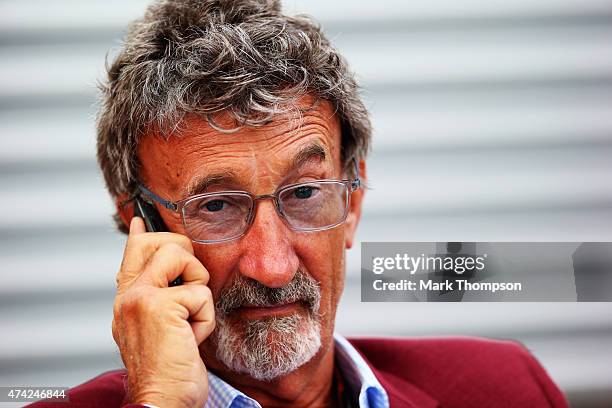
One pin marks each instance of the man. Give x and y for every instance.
(242, 131)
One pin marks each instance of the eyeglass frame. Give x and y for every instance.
(178, 206)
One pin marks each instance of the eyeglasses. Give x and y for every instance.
(227, 215)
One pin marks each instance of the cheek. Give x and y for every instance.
(322, 253)
(220, 260)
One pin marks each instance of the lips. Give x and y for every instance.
(277, 310)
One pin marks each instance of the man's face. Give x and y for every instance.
(270, 260)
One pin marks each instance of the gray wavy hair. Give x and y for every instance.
(204, 57)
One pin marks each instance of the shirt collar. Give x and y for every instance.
(223, 395)
(354, 369)
(359, 376)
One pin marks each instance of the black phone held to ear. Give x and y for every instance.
(153, 223)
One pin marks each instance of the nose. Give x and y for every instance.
(267, 253)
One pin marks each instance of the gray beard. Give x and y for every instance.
(268, 348)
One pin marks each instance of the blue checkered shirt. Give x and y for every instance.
(358, 376)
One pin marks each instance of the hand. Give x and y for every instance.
(158, 328)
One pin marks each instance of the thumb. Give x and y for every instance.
(137, 226)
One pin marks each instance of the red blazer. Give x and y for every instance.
(449, 372)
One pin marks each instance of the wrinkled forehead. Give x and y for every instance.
(199, 154)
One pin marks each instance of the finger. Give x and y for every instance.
(199, 308)
(137, 226)
(139, 250)
(170, 262)
(149, 242)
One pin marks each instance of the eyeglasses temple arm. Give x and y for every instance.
(168, 204)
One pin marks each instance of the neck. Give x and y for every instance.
(308, 386)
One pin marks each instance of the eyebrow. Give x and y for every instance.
(306, 154)
(200, 184)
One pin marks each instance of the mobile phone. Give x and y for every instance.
(153, 222)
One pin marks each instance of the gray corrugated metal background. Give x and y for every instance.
(493, 122)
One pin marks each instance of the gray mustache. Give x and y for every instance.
(247, 291)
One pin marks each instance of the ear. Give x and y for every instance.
(125, 209)
(354, 215)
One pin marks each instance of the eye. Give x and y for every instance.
(303, 192)
(214, 205)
